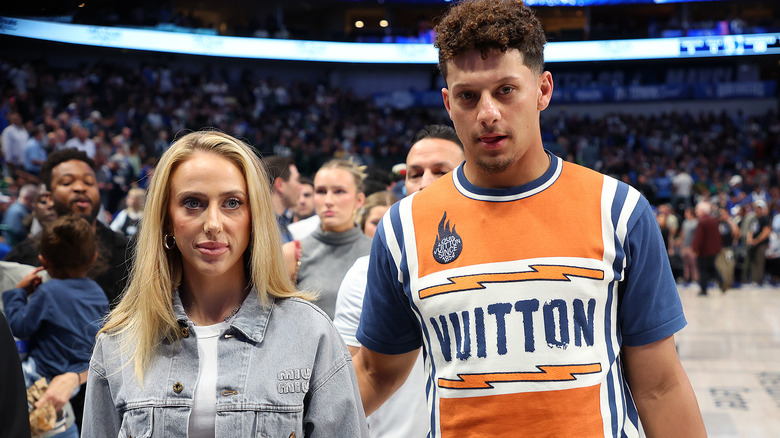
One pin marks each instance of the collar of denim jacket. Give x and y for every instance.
(251, 320)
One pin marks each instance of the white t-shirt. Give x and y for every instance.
(304, 227)
(405, 414)
(204, 404)
(683, 184)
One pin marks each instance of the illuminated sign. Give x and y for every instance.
(377, 53)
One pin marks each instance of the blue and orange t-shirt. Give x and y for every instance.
(522, 299)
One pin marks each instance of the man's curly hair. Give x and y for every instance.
(485, 25)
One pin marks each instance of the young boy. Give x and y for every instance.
(63, 316)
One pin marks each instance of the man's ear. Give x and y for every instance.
(545, 91)
(279, 185)
(445, 95)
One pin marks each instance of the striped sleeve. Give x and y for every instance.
(387, 324)
(649, 304)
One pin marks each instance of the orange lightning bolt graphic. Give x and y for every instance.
(546, 373)
(538, 272)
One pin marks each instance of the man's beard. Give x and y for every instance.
(65, 210)
(494, 166)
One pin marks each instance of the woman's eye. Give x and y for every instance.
(233, 203)
(191, 203)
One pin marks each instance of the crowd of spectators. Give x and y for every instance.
(125, 117)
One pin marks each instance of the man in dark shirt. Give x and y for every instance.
(707, 243)
(69, 175)
(725, 261)
(757, 240)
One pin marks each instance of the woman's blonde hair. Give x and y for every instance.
(138, 193)
(145, 315)
(357, 172)
(383, 198)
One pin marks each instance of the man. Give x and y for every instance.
(13, 140)
(540, 290)
(14, 230)
(69, 175)
(34, 152)
(285, 188)
(724, 261)
(706, 245)
(304, 208)
(81, 141)
(682, 189)
(757, 239)
(435, 152)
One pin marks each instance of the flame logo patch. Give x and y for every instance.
(448, 244)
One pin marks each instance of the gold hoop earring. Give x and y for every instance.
(169, 246)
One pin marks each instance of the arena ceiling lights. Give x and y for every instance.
(377, 53)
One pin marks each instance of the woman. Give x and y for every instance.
(319, 261)
(374, 208)
(210, 338)
(128, 219)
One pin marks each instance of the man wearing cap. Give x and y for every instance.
(757, 240)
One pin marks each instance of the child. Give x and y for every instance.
(63, 316)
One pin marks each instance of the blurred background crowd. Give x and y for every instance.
(124, 118)
(123, 108)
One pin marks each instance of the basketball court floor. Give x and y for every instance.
(731, 351)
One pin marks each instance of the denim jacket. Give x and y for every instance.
(283, 372)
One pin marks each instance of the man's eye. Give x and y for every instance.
(466, 95)
(415, 176)
(505, 90)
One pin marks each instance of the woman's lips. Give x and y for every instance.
(212, 248)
